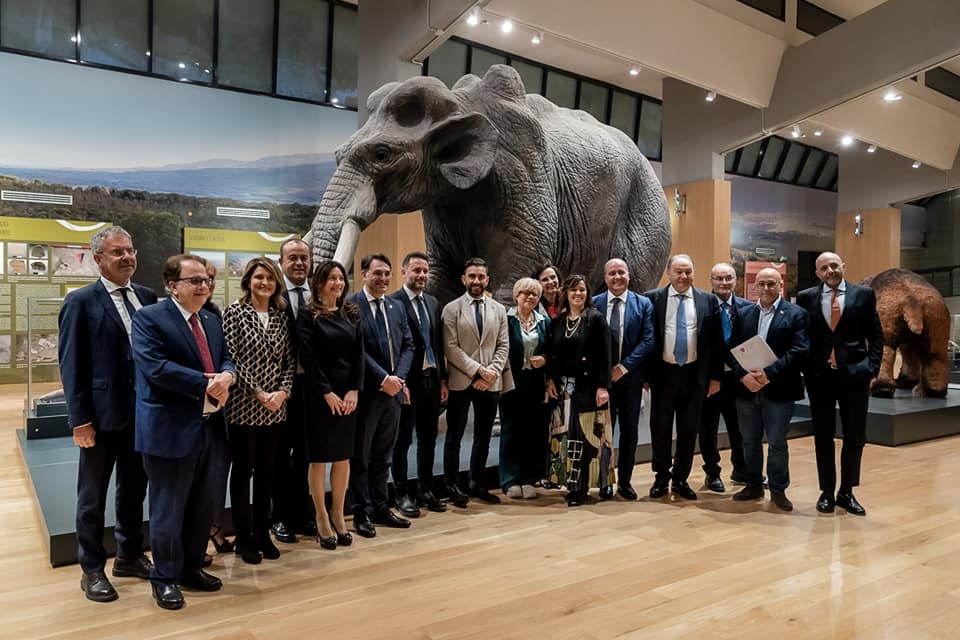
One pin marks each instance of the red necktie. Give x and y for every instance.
(834, 321)
(202, 345)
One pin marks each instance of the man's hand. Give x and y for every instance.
(391, 385)
(751, 383)
(713, 388)
(85, 436)
(444, 392)
(489, 375)
(762, 377)
(334, 402)
(406, 396)
(618, 372)
(480, 385)
(218, 386)
(350, 402)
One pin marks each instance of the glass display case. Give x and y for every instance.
(44, 405)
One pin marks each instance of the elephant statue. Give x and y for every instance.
(916, 322)
(499, 174)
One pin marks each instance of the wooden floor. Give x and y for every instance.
(533, 569)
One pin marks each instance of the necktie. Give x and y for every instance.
(725, 321)
(300, 301)
(615, 324)
(126, 301)
(478, 314)
(202, 345)
(680, 345)
(834, 321)
(425, 332)
(381, 321)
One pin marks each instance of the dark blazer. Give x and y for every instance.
(96, 361)
(436, 333)
(637, 330)
(170, 381)
(787, 338)
(592, 354)
(858, 339)
(738, 306)
(710, 345)
(377, 362)
(515, 333)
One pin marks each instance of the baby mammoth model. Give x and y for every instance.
(916, 321)
(499, 174)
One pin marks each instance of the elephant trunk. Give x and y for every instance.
(349, 204)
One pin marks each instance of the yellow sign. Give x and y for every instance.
(48, 231)
(231, 240)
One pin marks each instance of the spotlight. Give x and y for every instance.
(474, 18)
(916, 164)
(846, 141)
(506, 26)
(634, 71)
(182, 66)
(872, 148)
(711, 96)
(891, 96)
(818, 132)
(796, 131)
(537, 38)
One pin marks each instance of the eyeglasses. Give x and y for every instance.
(196, 281)
(768, 285)
(529, 293)
(723, 278)
(119, 253)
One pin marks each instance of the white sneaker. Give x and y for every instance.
(529, 491)
(514, 491)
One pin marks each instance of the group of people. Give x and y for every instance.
(300, 379)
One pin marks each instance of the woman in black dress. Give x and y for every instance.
(331, 352)
(579, 369)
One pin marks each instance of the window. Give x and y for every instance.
(814, 20)
(183, 39)
(773, 8)
(946, 82)
(771, 157)
(531, 74)
(246, 44)
(114, 33)
(649, 138)
(747, 163)
(561, 89)
(48, 27)
(483, 60)
(828, 174)
(593, 100)
(302, 49)
(343, 86)
(449, 62)
(791, 165)
(623, 113)
(810, 168)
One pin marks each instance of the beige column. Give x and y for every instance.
(394, 236)
(702, 227)
(874, 250)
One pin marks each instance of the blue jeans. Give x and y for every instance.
(758, 415)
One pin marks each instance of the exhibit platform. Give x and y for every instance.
(904, 419)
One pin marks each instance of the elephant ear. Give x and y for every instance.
(375, 98)
(462, 148)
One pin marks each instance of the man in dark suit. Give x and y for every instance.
(765, 396)
(685, 367)
(292, 506)
(389, 354)
(426, 385)
(184, 374)
(723, 279)
(630, 317)
(846, 346)
(96, 369)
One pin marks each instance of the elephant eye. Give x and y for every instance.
(382, 154)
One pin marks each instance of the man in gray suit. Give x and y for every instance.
(477, 345)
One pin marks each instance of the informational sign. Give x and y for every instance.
(40, 262)
(229, 251)
(750, 271)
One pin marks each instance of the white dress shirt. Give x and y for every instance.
(413, 295)
(622, 311)
(113, 290)
(670, 325)
(826, 298)
(294, 301)
(766, 317)
(371, 300)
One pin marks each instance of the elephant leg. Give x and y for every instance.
(910, 368)
(883, 385)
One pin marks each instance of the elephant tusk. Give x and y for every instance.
(347, 244)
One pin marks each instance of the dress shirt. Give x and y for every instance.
(371, 300)
(826, 298)
(294, 301)
(766, 316)
(413, 295)
(113, 290)
(623, 315)
(670, 325)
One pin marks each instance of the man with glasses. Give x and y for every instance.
(183, 379)
(96, 370)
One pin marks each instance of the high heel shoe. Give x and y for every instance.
(327, 542)
(222, 547)
(343, 539)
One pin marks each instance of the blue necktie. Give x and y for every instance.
(425, 332)
(725, 320)
(380, 320)
(126, 301)
(680, 346)
(478, 314)
(615, 330)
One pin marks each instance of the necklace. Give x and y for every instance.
(526, 324)
(572, 327)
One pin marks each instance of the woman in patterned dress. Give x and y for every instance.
(257, 334)
(331, 352)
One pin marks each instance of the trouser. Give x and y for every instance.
(292, 503)
(626, 398)
(484, 412)
(253, 449)
(422, 416)
(722, 403)
(826, 392)
(523, 430)
(760, 415)
(675, 392)
(376, 435)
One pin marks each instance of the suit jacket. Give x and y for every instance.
(436, 333)
(171, 385)
(858, 339)
(592, 356)
(377, 363)
(637, 331)
(465, 350)
(515, 331)
(710, 344)
(96, 360)
(787, 338)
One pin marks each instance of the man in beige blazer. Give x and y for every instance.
(476, 344)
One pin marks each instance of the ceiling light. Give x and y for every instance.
(846, 141)
(818, 132)
(634, 71)
(711, 96)
(916, 164)
(872, 148)
(891, 96)
(334, 100)
(182, 66)
(796, 131)
(506, 26)
(537, 38)
(474, 18)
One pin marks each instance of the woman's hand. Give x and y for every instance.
(552, 390)
(334, 402)
(537, 361)
(350, 402)
(274, 401)
(602, 397)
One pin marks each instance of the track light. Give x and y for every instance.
(796, 131)
(872, 148)
(474, 18)
(634, 70)
(846, 141)
(916, 164)
(818, 132)
(537, 38)
(891, 96)
(506, 26)
(711, 96)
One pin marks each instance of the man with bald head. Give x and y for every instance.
(765, 397)
(630, 317)
(685, 367)
(846, 346)
(723, 280)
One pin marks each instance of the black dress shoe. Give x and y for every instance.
(715, 484)
(139, 567)
(266, 547)
(627, 493)
(483, 495)
(749, 492)
(780, 499)
(283, 532)
(97, 588)
(364, 525)
(246, 548)
(388, 518)
(658, 490)
(457, 497)
(309, 529)
(431, 502)
(574, 499)
(606, 493)
(200, 581)
(168, 596)
(683, 490)
(825, 503)
(407, 507)
(849, 503)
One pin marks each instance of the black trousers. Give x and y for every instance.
(291, 492)
(625, 399)
(675, 392)
(723, 403)
(484, 412)
(524, 434)
(422, 416)
(112, 448)
(826, 392)
(254, 450)
(377, 424)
